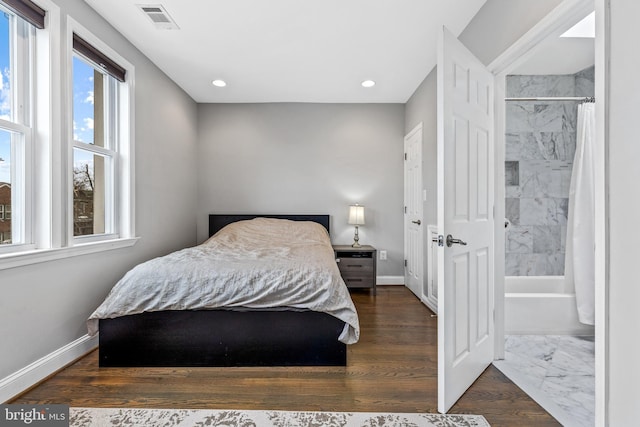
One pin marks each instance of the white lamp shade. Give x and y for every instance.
(356, 215)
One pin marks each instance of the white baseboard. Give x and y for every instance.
(27, 377)
(390, 280)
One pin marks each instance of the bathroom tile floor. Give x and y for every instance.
(557, 371)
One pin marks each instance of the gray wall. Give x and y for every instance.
(44, 306)
(499, 23)
(306, 158)
(422, 108)
(540, 145)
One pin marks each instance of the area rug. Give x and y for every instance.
(119, 417)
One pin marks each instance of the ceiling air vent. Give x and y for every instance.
(159, 16)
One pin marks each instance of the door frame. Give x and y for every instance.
(555, 23)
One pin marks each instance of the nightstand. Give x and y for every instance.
(357, 265)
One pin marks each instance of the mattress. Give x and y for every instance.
(256, 264)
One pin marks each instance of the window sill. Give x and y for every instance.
(19, 259)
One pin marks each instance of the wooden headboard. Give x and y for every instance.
(216, 222)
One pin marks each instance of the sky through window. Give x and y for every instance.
(5, 97)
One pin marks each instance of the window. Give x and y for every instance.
(16, 133)
(94, 149)
(97, 147)
(66, 168)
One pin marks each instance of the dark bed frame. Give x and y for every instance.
(224, 337)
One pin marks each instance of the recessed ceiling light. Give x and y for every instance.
(219, 83)
(368, 83)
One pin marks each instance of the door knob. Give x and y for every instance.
(417, 222)
(451, 241)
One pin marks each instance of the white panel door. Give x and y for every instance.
(465, 212)
(413, 226)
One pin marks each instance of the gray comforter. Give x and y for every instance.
(257, 264)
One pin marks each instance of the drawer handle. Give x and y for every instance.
(355, 280)
(355, 265)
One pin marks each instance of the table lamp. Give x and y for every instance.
(356, 217)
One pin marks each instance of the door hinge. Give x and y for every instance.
(405, 209)
(405, 156)
(405, 262)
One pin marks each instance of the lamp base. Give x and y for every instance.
(355, 239)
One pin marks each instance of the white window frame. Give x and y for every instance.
(21, 126)
(51, 213)
(123, 135)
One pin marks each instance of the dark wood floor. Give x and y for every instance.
(393, 368)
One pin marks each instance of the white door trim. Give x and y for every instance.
(430, 285)
(560, 19)
(555, 23)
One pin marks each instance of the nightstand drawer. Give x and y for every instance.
(348, 265)
(357, 274)
(357, 281)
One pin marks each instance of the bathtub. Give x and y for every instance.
(538, 305)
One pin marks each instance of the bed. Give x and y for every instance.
(189, 309)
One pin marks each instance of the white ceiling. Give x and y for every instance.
(293, 50)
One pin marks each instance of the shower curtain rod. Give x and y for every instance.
(556, 98)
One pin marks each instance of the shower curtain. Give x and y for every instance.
(580, 251)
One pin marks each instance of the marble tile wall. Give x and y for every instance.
(584, 82)
(540, 146)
